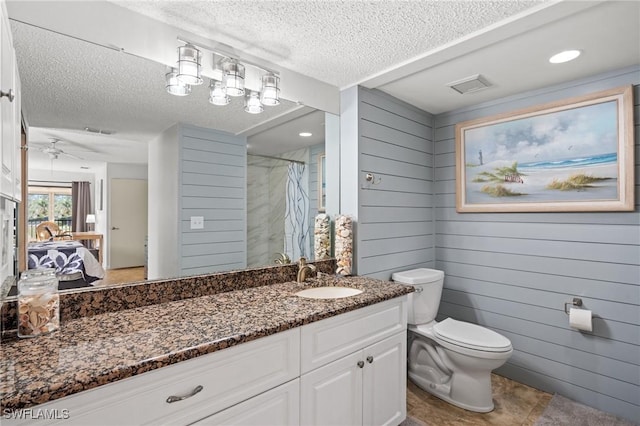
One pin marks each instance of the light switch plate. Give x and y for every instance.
(197, 222)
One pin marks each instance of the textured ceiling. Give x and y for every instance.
(71, 84)
(68, 84)
(338, 42)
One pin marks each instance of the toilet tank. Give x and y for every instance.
(424, 302)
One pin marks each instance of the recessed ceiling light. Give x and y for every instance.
(305, 134)
(565, 56)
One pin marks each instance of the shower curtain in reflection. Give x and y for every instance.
(296, 219)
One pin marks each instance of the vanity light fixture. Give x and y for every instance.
(227, 78)
(270, 94)
(218, 94)
(174, 85)
(233, 77)
(252, 104)
(189, 59)
(564, 56)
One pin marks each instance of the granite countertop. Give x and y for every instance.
(95, 350)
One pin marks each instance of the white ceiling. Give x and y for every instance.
(409, 49)
(339, 42)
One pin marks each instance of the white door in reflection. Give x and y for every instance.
(127, 222)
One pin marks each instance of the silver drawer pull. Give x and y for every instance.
(173, 398)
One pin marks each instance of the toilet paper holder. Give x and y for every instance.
(576, 302)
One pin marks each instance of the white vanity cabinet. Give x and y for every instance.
(354, 367)
(9, 113)
(349, 369)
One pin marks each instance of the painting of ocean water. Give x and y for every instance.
(562, 156)
(572, 162)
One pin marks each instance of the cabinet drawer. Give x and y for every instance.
(327, 340)
(277, 407)
(227, 377)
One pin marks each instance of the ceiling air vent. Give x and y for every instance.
(99, 131)
(470, 84)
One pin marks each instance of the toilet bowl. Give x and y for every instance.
(450, 359)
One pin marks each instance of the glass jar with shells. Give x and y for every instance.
(38, 304)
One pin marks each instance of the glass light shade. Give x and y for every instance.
(174, 85)
(218, 94)
(189, 59)
(270, 94)
(233, 78)
(252, 104)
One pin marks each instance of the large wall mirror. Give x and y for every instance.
(93, 110)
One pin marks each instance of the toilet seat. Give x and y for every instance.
(469, 336)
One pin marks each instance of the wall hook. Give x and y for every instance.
(371, 178)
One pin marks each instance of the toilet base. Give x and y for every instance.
(443, 391)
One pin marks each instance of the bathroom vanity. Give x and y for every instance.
(259, 355)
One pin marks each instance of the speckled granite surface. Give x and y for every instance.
(98, 300)
(93, 350)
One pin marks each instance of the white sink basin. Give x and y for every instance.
(328, 292)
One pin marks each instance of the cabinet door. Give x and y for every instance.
(385, 381)
(7, 65)
(277, 407)
(16, 170)
(332, 395)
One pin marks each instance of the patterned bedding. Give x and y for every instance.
(67, 257)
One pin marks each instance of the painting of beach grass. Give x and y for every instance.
(575, 155)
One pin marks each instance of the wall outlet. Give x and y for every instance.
(197, 222)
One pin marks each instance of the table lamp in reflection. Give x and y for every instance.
(91, 220)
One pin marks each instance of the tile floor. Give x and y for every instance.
(515, 404)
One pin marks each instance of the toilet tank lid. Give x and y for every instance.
(417, 276)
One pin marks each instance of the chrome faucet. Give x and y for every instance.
(282, 259)
(304, 269)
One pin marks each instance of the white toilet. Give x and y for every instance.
(451, 359)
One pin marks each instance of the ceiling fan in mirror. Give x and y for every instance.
(54, 151)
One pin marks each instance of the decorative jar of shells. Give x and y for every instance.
(38, 304)
(344, 244)
(322, 237)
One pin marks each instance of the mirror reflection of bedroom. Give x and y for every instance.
(75, 205)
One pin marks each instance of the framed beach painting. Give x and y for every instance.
(572, 155)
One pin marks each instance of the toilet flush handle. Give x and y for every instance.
(419, 289)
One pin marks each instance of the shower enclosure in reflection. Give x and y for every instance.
(282, 200)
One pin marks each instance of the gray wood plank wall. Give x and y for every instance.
(395, 229)
(513, 273)
(213, 185)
